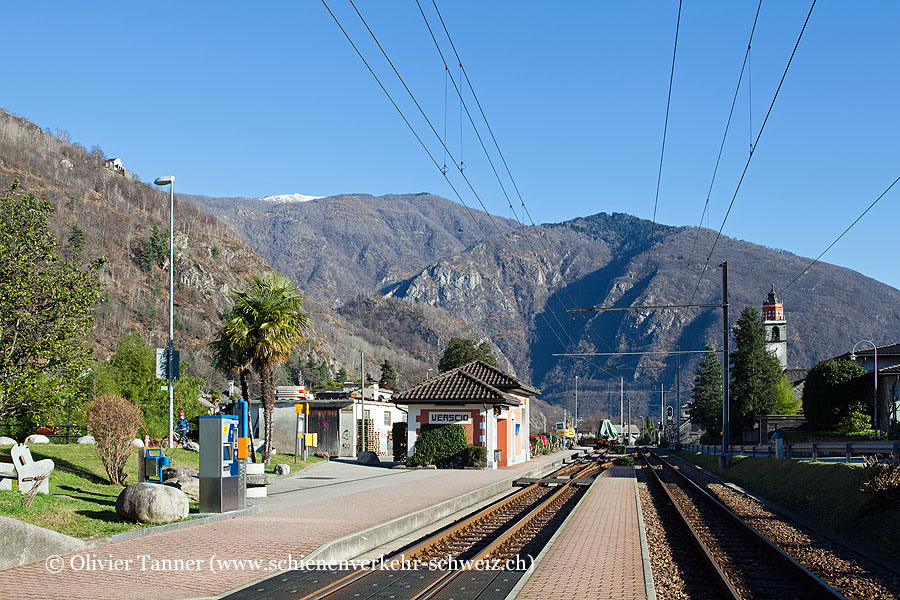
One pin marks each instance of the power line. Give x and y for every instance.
(755, 144)
(722, 145)
(662, 151)
(503, 160)
(855, 221)
(500, 153)
(424, 147)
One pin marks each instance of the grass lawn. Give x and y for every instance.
(82, 502)
(827, 494)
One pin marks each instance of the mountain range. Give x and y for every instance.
(513, 285)
(396, 276)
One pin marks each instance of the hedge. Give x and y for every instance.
(439, 445)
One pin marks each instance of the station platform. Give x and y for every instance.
(305, 513)
(597, 555)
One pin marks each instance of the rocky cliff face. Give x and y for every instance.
(341, 246)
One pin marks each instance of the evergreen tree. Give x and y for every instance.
(322, 373)
(341, 376)
(388, 375)
(755, 374)
(461, 351)
(706, 408)
(156, 252)
(76, 239)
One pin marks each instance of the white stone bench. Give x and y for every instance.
(19, 465)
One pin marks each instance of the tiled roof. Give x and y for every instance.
(461, 385)
(892, 370)
(497, 378)
(887, 349)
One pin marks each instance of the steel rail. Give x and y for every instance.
(444, 534)
(548, 502)
(818, 587)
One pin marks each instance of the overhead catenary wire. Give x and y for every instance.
(421, 142)
(755, 145)
(712, 181)
(443, 142)
(662, 151)
(843, 233)
(464, 106)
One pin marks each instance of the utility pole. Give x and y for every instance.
(662, 408)
(622, 406)
(725, 459)
(362, 394)
(678, 399)
(576, 408)
(628, 425)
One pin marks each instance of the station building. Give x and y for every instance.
(491, 405)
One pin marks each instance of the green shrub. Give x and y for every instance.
(401, 440)
(440, 445)
(858, 421)
(619, 449)
(476, 456)
(624, 461)
(832, 393)
(546, 450)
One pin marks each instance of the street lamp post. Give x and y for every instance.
(169, 180)
(576, 408)
(853, 357)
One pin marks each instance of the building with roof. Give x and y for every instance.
(888, 378)
(491, 405)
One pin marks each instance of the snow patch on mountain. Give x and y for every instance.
(286, 198)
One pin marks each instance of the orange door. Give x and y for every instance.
(503, 442)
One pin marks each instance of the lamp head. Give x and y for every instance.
(166, 180)
(853, 356)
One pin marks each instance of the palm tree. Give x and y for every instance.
(264, 325)
(228, 358)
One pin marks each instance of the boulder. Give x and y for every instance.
(175, 472)
(192, 446)
(282, 469)
(7, 441)
(36, 439)
(87, 439)
(187, 484)
(137, 443)
(152, 503)
(367, 458)
(257, 480)
(323, 454)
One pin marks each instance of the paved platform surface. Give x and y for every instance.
(324, 502)
(598, 554)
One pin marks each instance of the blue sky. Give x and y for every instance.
(237, 101)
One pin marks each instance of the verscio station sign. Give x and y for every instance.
(447, 417)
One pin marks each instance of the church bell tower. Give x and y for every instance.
(776, 331)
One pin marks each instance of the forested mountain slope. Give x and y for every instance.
(517, 286)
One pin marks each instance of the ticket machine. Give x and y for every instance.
(219, 464)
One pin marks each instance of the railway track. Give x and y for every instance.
(477, 550)
(746, 564)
